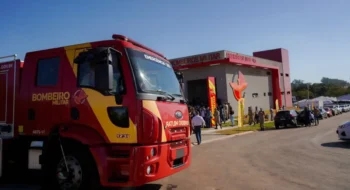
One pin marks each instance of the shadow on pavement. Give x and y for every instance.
(339, 144)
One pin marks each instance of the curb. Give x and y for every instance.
(223, 138)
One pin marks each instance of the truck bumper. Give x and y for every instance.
(132, 166)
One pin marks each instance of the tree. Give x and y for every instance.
(337, 82)
(327, 87)
(303, 94)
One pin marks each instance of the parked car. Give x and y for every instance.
(342, 107)
(345, 108)
(343, 131)
(348, 107)
(340, 110)
(285, 118)
(323, 114)
(335, 111)
(329, 112)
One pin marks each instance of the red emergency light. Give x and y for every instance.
(124, 38)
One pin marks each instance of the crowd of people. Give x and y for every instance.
(222, 113)
(201, 116)
(310, 116)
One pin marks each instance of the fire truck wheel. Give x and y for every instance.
(82, 171)
(80, 175)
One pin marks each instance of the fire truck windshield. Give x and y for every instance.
(153, 74)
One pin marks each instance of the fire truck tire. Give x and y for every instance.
(82, 173)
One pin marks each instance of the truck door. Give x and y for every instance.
(47, 98)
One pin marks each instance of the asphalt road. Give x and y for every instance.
(295, 158)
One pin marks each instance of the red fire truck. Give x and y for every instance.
(108, 113)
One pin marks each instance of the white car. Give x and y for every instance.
(343, 131)
(340, 110)
(347, 107)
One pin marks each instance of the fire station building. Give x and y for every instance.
(266, 73)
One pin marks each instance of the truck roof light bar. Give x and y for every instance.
(124, 38)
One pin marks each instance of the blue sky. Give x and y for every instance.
(316, 32)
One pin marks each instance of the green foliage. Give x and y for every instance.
(267, 125)
(327, 87)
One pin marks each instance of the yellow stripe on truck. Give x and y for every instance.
(73, 51)
(99, 104)
(152, 107)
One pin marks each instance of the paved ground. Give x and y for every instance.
(209, 135)
(299, 158)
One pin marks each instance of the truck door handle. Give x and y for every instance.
(31, 114)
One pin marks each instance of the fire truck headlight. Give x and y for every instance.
(153, 152)
(148, 170)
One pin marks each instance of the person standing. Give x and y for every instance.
(217, 118)
(203, 111)
(307, 116)
(197, 123)
(227, 111)
(261, 119)
(271, 113)
(208, 117)
(256, 115)
(250, 116)
(317, 115)
(221, 111)
(232, 117)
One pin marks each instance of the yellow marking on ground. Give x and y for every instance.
(152, 106)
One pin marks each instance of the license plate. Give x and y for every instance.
(283, 119)
(180, 153)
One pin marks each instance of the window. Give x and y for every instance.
(270, 94)
(288, 92)
(255, 95)
(87, 75)
(282, 92)
(153, 74)
(48, 71)
(287, 75)
(281, 74)
(268, 73)
(264, 93)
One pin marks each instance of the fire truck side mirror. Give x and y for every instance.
(104, 77)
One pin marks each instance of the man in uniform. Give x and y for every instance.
(250, 116)
(271, 113)
(261, 119)
(317, 115)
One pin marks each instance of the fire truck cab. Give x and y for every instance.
(108, 113)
